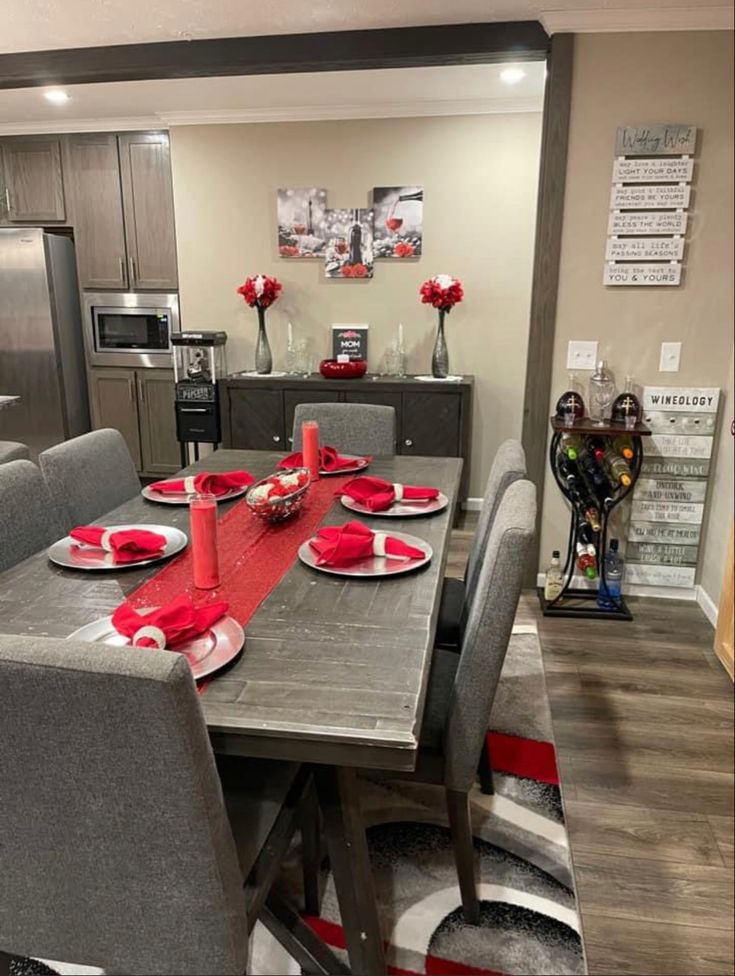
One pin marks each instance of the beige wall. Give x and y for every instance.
(480, 178)
(631, 78)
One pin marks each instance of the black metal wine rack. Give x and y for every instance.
(577, 601)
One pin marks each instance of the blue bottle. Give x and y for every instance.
(609, 595)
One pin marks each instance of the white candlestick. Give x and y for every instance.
(290, 336)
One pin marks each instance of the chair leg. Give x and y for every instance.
(311, 851)
(485, 770)
(5, 961)
(458, 808)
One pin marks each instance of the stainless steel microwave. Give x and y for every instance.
(130, 328)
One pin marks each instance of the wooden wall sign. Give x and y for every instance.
(670, 496)
(649, 196)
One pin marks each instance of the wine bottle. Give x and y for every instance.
(597, 481)
(596, 446)
(586, 554)
(356, 241)
(578, 492)
(611, 589)
(624, 446)
(618, 468)
(571, 445)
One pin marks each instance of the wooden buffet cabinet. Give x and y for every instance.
(432, 419)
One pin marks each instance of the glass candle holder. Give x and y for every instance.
(310, 447)
(203, 526)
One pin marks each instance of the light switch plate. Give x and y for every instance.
(581, 355)
(670, 357)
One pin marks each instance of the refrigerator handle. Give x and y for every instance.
(7, 199)
(131, 391)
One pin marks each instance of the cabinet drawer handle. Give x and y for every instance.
(290, 440)
(7, 199)
(276, 438)
(133, 274)
(131, 391)
(408, 442)
(122, 270)
(141, 390)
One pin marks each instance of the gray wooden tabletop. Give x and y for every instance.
(333, 670)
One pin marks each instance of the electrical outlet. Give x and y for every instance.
(581, 355)
(670, 357)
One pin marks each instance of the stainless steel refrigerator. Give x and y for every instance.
(41, 344)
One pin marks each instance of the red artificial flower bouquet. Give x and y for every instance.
(260, 291)
(442, 291)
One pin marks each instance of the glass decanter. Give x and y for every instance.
(602, 394)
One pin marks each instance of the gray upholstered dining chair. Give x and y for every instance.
(118, 847)
(29, 520)
(354, 428)
(509, 465)
(13, 451)
(89, 475)
(462, 686)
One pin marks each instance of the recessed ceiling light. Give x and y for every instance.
(56, 96)
(511, 76)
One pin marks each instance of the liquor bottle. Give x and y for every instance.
(571, 445)
(570, 405)
(593, 474)
(554, 580)
(586, 553)
(596, 446)
(579, 493)
(626, 408)
(610, 592)
(356, 241)
(618, 468)
(624, 446)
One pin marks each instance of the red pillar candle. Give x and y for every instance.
(203, 523)
(310, 447)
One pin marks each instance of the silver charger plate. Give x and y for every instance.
(74, 555)
(360, 464)
(183, 498)
(404, 509)
(208, 653)
(372, 565)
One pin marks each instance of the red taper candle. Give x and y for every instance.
(203, 522)
(310, 447)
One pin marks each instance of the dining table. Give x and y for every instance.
(333, 671)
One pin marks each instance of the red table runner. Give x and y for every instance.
(253, 556)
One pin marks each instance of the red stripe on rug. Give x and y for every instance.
(334, 936)
(530, 758)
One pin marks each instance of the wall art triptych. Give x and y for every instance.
(349, 240)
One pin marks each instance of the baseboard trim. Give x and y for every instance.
(658, 592)
(707, 605)
(472, 505)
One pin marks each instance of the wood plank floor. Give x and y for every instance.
(643, 720)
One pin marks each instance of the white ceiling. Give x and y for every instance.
(466, 89)
(35, 25)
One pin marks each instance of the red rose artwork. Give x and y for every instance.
(289, 251)
(354, 271)
(404, 250)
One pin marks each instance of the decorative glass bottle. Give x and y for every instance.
(263, 354)
(570, 405)
(627, 407)
(440, 356)
(602, 394)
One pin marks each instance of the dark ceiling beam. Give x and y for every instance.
(395, 47)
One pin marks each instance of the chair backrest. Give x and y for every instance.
(89, 475)
(509, 465)
(13, 451)
(115, 845)
(487, 633)
(29, 520)
(354, 428)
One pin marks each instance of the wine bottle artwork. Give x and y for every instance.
(349, 243)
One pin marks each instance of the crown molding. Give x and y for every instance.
(638, 19)
(134, 123)
(377, 110)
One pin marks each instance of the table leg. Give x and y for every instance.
(339, 798)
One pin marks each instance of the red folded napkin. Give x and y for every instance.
(377, 494)
(206, 483)
(175, 623)
(329, 460)
(126, 545)
(340, 545)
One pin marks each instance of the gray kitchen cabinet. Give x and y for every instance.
(157, 420)
(145, 170)
(93, 180)
(114, 403)
(255, 419)
(33, 186)
(140, 404)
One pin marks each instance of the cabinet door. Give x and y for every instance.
(93, 178)
(115, 404)
(157, 420)
(33, 188)
(256, 420)
(293, 397)
(431, 424)
(148, 203)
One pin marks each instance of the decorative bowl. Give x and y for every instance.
(280, 495)
(352, 370)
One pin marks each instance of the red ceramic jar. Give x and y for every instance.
(332, 370)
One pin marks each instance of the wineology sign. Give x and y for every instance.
(670, 496)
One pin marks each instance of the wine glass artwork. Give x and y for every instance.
(398, 230)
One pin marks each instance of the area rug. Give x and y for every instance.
(529, 921)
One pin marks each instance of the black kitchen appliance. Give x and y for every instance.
(199, 361)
